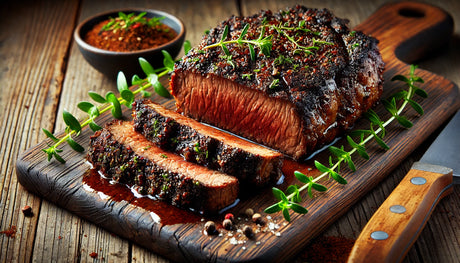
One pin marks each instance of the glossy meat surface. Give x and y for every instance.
(317, 80)
(125, 156)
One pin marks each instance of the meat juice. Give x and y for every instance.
(167, 214)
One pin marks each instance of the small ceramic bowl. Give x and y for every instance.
(111, 62)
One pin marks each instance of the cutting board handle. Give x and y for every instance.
(410, 30)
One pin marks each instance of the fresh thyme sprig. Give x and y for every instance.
(264, 43)
(300, 27)
(125, 21)
(111, 102)
(290, 199)
(307, 49)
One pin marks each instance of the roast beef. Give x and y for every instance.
(252, 164)
(125, 156)
(317, 79)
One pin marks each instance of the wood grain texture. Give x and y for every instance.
(80, 79)
(32, 72)
(32, 92)
(440, 240)
(62, 183)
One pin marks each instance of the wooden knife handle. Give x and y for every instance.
(398, 222)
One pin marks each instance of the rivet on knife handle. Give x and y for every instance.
(397, 223)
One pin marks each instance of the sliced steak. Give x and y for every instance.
(250, 163)
(317, 80)
(124, 155)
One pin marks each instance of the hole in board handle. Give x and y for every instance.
(411, 12)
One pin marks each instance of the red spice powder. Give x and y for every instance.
(134, 38)
(328, 249)
(10, 232)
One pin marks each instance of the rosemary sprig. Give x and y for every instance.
(291, 199)
(111, 102)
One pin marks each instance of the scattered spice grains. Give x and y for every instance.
(227, 224)
(27, 211)
(10, 232)
(258, 219)
(239, 230)
(210, 228)
(248, 232)
(230, 217)
(245, 228)
(249, 212)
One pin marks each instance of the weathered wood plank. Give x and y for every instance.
(81, 78)
(200, 247)
(446, 61)
(31, 73)
(28, 104)
(196, 21)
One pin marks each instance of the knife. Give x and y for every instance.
(397, 223)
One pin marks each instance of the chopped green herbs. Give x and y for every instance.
(281, 60)
(246, 76)
(274, 84)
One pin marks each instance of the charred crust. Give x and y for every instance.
(200, 148)
(121, 164)
(328, 89)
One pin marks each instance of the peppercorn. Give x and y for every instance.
(210, 228)
(27, 211)
(249, 212)
(230, 216)
(247, 230)
(258, 219)
(227, 224)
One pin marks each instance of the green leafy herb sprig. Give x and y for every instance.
(111, 102)
(290, 199)
(282, 30)
(125, 21)
(265, 43)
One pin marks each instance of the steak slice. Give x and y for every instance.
(316, 82)
(250, 163)
(125, 156)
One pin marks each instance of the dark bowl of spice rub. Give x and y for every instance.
(114, 41)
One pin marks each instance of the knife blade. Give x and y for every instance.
(397, 223)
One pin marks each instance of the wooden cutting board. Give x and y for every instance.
(405, 30)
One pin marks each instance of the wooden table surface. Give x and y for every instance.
(42, 73)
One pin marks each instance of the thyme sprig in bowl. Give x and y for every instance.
(111, 62)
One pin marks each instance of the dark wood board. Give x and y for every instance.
(405, 30)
